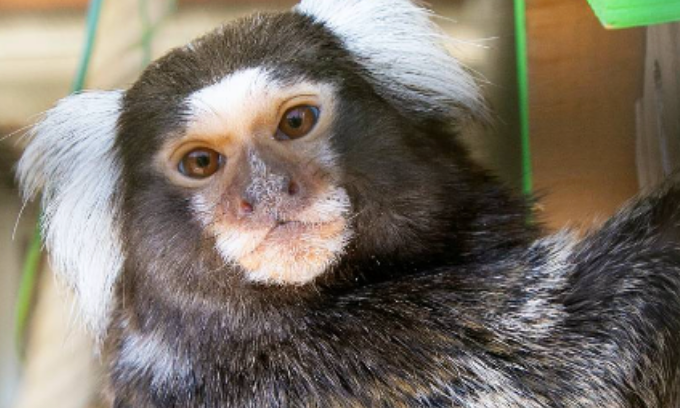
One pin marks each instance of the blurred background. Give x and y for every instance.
(603, 124)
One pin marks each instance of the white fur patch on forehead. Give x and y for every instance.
(211, 106)
(404, 54)
(243, 99)
(71, 159)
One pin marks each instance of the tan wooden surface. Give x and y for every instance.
(584, 82)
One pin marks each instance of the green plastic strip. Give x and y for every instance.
(33, 258)
(523, 90)
(635, 13)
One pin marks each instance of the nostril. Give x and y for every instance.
(246, 207)
(293, 188)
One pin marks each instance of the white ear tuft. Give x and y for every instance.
(403, 53)
(71, 159)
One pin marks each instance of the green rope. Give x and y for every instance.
(93, 12)
(523, 87)
(34, 256)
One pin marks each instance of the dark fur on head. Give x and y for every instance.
(441, 297)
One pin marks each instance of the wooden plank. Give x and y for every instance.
(584, 81)
(658, 120)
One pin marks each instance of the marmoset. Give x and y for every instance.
(282, 214)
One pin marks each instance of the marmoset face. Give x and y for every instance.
(256, 159)
(279, 151)
(277, 157)
(256, 168)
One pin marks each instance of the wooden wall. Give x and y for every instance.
(584, 83)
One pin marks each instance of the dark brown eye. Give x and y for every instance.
(200, 163)
(297, 122)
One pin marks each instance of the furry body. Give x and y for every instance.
(559, 323)
(435, 293)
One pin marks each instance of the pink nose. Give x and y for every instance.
(247, 204)
(245, 207)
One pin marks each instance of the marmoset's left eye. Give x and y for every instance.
(297, 122)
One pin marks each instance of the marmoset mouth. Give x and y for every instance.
(295, 252)
(293, 232)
